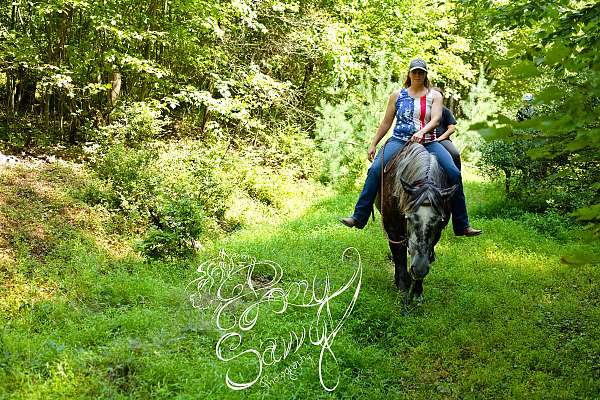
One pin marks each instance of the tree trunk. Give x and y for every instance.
(307, 73)
(507, 181)
(11, 94)
(47, 111)
(25, 92)
(115, 90)
(73, 122)
(13, 16)
(205, 119)
(61, 106)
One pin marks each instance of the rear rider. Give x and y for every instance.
(445, 129)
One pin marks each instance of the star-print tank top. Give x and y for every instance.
(413, 114)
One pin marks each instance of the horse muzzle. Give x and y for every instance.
(419, 266)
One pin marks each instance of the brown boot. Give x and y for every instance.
(349, 222)
(469, 231)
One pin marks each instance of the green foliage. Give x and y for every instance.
(178, 194)
(345, 129)
(247, 65)
(180, 223)
(174, 189)
(551, 54)
(134, 124)
(559, 184)
(129, 178)
(342, 146)
(590, 216)
(481, 104)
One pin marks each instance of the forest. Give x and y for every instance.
(139, 139)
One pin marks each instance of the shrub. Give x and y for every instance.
(179, 193)
(177, 190)
(129, 178)
(561, 183)
(134, 124)
(178, 224)
(502, 158)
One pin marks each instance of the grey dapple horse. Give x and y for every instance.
(415, 208)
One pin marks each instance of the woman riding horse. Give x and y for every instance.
(418, 110)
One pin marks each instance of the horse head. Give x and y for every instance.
(426, 212)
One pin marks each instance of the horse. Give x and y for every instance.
(414, 201)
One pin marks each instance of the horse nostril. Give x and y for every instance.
(411, 272)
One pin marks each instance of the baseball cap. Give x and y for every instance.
(417, 63)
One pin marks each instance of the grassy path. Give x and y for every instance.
(502, 317)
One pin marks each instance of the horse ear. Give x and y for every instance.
(407, 186)
(447, 192)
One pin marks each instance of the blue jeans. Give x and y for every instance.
(364, 205)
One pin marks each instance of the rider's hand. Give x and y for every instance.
(371, 153)
(417, 137)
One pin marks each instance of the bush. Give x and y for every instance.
(293, 151)
(177, 191)
(134, 124)
(499, 158)
(129, 178)
(179, 223)
(540, 184)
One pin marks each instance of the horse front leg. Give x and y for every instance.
(401, 277)
(394, 223)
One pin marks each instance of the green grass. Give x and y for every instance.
(84, 317)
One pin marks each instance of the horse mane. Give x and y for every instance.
(425, 177)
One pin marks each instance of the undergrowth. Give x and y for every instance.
(84, 315)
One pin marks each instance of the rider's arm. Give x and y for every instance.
(385, 125)
(451, 125)
(451, 129)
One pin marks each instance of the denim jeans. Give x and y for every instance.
(364, 205)
(448, 145)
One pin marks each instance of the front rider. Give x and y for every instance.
(417, 110)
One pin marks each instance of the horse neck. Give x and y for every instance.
(418, 167)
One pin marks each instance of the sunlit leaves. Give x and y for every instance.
(142, 66)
